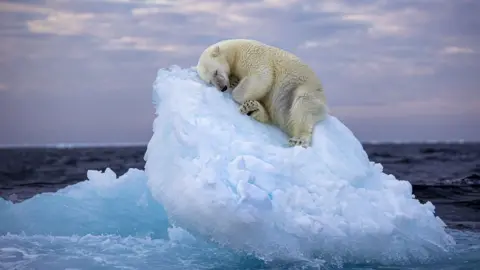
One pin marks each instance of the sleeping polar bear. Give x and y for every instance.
(273, 86)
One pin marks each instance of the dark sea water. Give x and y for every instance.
(448, 175)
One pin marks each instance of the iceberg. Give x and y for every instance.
(225, 177)
(222, 191)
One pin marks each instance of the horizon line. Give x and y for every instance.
(137, 144)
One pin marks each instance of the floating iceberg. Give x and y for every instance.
(216, 182)
(228, 178)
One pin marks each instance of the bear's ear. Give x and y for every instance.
(216, 51)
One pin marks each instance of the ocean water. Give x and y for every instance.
(448, 175)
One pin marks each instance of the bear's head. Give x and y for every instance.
(213, 68)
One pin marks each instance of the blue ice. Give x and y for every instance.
(220, 190)
(224, 176)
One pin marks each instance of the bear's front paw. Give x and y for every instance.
(248, 107)
(299, 142)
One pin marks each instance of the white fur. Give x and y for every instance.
(274, 85)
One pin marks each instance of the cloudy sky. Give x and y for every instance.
(81, 71)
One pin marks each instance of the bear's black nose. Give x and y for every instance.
(224, 88)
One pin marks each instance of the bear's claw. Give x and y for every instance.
(248, 107)
(299, 142)
(255, 110)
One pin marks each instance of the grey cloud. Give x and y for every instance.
(89, 78)
(36, 2)
(422, 129)
(100, 117)
(93, 6)
(12, 24)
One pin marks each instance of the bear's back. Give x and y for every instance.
(253, 55)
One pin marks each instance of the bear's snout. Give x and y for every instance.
(224, 88)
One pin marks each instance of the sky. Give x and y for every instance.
(81, 71)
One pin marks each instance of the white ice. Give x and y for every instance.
(228, 178)
(218, 175)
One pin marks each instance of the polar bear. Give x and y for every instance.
(271, 85)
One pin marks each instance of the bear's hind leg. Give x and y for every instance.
(302, 134)
(255, 110)
(304, 114)
(301, 124)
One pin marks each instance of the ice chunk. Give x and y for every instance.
(104, 204)
(226, 177)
